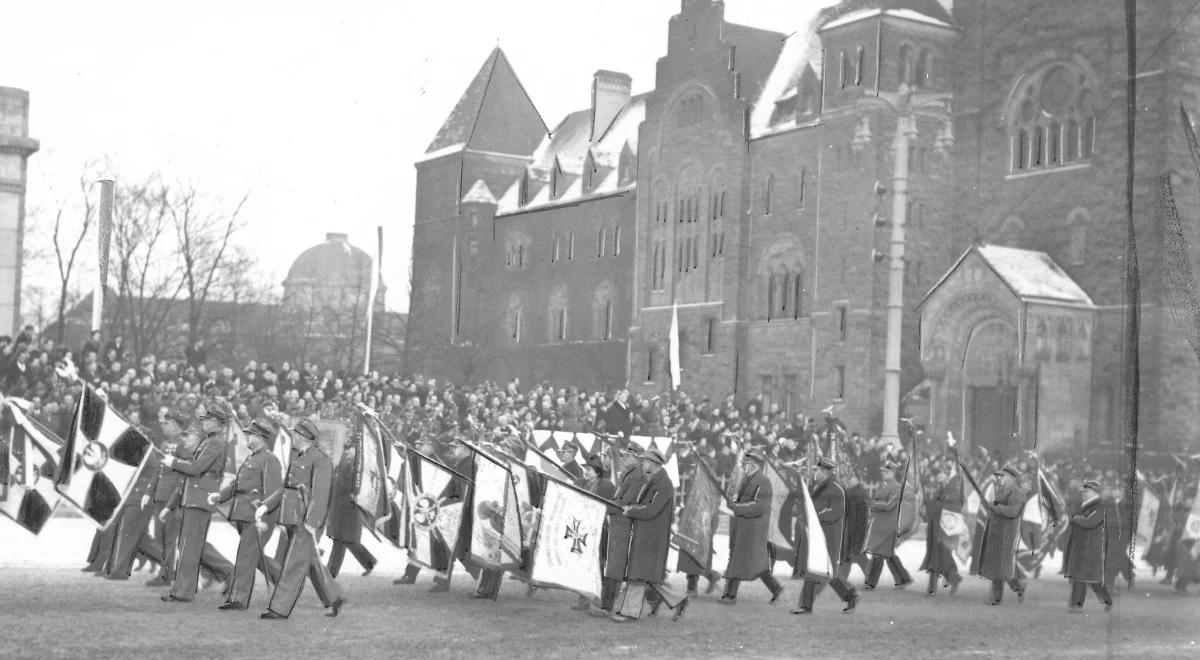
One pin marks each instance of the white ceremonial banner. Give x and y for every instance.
(495, 534)
(566, 554)
(817, 563)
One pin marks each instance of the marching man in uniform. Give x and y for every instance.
(650, 518)
(163, 486)
(998, 549)
(750, 556)
(201, 478)
(829, 501)
(1087, 545)
(304, 501)
(258, 475)
(881, 535)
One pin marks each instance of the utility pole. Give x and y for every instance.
(906, 105)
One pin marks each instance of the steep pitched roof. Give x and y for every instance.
(1029, 274)
(493, 114)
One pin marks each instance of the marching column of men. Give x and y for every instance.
(186, 484)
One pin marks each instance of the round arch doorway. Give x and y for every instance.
(989, 388)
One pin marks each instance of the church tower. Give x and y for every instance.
(15, 150)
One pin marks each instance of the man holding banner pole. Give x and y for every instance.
(750, 555)
(829, 503)
(882, 533)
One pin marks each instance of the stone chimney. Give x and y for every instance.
(337, 237)
(610, 93)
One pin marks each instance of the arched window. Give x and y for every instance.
(616, 249)
(797, 295)
(557, 314)
(516, 317)
(905, 65)
(601, 239)
(924, 68)
(1077, 228)
(803, 183)
(768, 189)
(1051, 117)
(1042, 341)
(858, 66)
(1065, 342)
(843, 69)
(770, 296)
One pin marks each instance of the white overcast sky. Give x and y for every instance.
(317, 108)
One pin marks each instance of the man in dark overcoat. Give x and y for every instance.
(881, 534)
(829, 501)
(1087, 545)
(629, 484)
(997, 551)
(750, 557)
(345, 523)
(939, 557)
(650, 516)
(858, 517)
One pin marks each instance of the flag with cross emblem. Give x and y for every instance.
(566, 553)
(32, 453)
(370, 471)
(434, 511)
(102, 458)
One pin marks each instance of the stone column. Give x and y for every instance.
(15, 149)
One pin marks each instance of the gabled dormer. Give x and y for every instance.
(627, 165)
(558, 182)
(592, 176)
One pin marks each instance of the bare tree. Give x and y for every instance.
(204, 245)
(66, 239)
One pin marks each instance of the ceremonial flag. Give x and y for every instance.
(373, 291)
(433, 519)
(32, 458)
(783, 500)
(102, 458)
(697, 519)
(395, 526)
(370, 472)
(813, 560)
(1191, 528)
(237, 450)
(1147, 513)
(673, 346)
(496, 532)
(911, 495)
(566, 552)
(283, 443)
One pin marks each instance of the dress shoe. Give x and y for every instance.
(598, 612)
(712, 586)
(481, 596)
(868, 587)
(1021, 596)
(681, 608)
(335, 608)
(1108, 606)
(776, 594)
(172, 599)
(159, 581)
(728, 600)
(235, 606)
(271, 616)
(621, 618)
(112, 576)
(1075, 609)
(367, 571)
(405, 580)
(654, 608)
(93, 569)
(851, 604)
(439, 587)
(902, 585)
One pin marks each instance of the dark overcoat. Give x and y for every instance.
(939, 558)
(749, 529)
(829, 500)
(885, 520)
(997, 549)
(650, 516)
(629, 484)
(1087, 544)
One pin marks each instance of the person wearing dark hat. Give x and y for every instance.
(650, 516)
(628, 485)
(750, 555)
(829, 501)
(939, 553)
(1087, 545)
(201, 477)
(858, 518)
(881, 534)
(997, 553)
(303, 502)
(345, 523)
(259, 475)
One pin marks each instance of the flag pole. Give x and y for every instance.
(374, 291)
(103, 236)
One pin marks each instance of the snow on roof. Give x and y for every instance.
(443, 151)
(479, 194)
(1033, 274)
(800, 50)
(862, 14)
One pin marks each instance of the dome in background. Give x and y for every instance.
(334, 263)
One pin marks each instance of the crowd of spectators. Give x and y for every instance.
(143, 387)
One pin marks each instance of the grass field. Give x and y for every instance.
(48, 609)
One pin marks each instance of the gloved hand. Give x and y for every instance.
(212, 499)
(260, 513)
(145, 501)
(162, 515)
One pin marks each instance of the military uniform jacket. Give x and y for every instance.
(258, 476)
(311, 470)
(829, 500)
(750, 528)
(166, 481)
(885, 520)
(202, 472)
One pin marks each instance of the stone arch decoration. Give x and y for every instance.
(1050, 113)
(945, 341)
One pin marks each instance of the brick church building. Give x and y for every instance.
(742, 188)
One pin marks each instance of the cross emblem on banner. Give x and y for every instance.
(578, 541)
